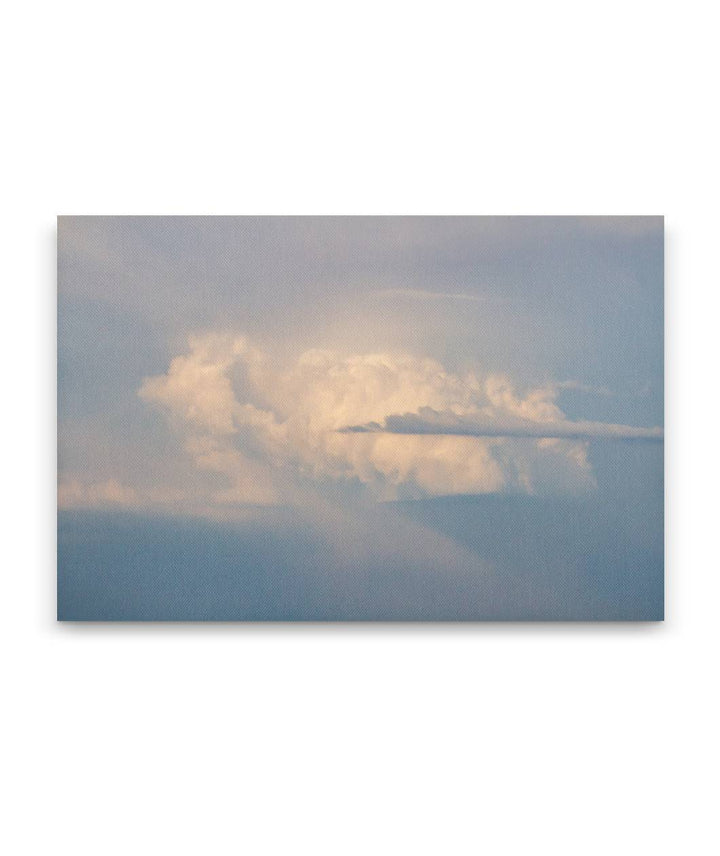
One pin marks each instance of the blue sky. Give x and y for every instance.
(413, 395)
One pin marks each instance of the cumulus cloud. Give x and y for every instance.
(197, 394)
(397, 424)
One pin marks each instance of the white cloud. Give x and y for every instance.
(267, 429)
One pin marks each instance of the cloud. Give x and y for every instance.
(488, 424)
(266, 431)
(75, 493)
(197, 395)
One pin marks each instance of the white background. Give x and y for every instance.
(359, 739)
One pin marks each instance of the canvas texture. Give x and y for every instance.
(360, 418)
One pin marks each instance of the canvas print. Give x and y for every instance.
(360, 418)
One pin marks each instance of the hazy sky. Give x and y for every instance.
(313, 373)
